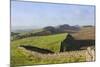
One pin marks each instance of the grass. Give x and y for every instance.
(50, 42)
(85, 33)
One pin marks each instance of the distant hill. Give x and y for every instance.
(59, 29)
(49, 30)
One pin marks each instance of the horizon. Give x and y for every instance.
(32, 27)
(41, 15)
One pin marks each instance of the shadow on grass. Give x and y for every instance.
(36, 49)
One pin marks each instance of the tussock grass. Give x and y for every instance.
(86, 33)
(21, 56)
(34, 58)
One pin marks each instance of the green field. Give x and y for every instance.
(50, 42)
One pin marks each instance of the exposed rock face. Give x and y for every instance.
(70, 43)
(67, 43)
(84, 38)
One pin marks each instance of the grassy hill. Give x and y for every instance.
(50, 42)
(85, 33)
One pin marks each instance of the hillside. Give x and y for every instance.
(46, 50)
(85, 33)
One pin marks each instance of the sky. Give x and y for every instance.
(39, 15)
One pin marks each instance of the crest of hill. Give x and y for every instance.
(86, 33)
